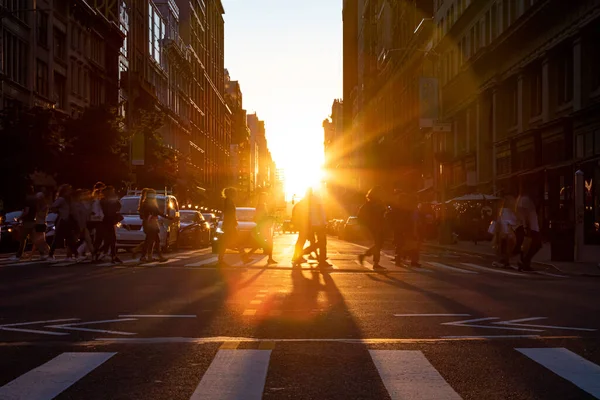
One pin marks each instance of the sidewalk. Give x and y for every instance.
(542, 258)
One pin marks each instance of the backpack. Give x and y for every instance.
(97, 213)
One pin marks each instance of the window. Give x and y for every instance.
(41, 78)
(14, 58)
(156, 32)
(513, 103)
(472, 42)
(59, 45)
(97, 49)
(503, 162)
(17, 8)
(60, 84)
(594, 65)
(535, 91)
(494, 22)
(42, 28)
(565, 77)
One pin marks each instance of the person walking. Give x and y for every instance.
(151, 212)
(111, 209)
(143, 216)
(39, 236)
(300, 220)
(63, 231)
(263, 233)
(529, 239)
(95, 224)
(371, 216)
(505, 238)
(229, 227)
(27, 223)
(317, 228)
(81, 209)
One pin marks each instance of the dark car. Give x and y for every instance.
(194, 230)
(288, 227)
(9, 226)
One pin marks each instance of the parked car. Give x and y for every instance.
(194, 230)
(129, 230)
(246, 225)
(10, 225)
(212, 220)
(288, 227)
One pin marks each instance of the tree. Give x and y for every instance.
(160, 167)
(97, 149)
(32, 142)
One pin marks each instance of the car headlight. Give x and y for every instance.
(219, 231)
(9, 230)
(119, 224)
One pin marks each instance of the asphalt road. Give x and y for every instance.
(185, 329)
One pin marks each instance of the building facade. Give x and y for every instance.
(59, 55)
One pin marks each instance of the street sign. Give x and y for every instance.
(438, 127)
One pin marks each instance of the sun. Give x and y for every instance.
(300, 177)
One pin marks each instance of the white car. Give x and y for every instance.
(130, 232)
(245, 228)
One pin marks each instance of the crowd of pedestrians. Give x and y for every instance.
(85, 223)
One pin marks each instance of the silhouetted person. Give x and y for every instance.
(27, 222)
(529, 239)
(229, 226)
(263, 233)
(64, 225)
(371, 216)
(317, 227)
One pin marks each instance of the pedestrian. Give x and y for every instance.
(300, 220)
(27, 230)
(95, 224)
(143, 216)
(317, 228)
(229, 227)
(528, 234)
(152, 227)
(372, 216)
(393, 219)
(111, 209)
(81, 210)
(505, 238)
(415, 230)
(39, 236)
(263, 233)
(63, 230)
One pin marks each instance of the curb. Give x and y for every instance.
(481, 253)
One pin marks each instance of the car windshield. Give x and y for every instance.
(245, 214)
(13, 216)
(129, 205)
(187, 217)
(208, 217)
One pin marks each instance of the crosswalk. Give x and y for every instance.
(235, 372)
(340, 262)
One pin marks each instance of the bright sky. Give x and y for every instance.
(287, 57)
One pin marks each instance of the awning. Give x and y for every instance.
(474, 197)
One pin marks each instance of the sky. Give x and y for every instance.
(287, 57)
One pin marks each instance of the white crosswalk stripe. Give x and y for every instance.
(52, 378)
(234, 373)
(407, 374)
(568, 365)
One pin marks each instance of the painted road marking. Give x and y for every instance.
(497, 271)
(254, 302)
(249, 312)
(12, 327)
(206, 261)
(156, 316)
(234, 374)
(469, 323)
(492, 337)
(517, 322)
(444, 266)
(52, 378)
(76, 327)
(550, 274)
(432, 315)
(568, 365)
(407, 374)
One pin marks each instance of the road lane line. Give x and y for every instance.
(52, 378)
(156, 316)
(41, 322)
(255, 302)
(229, 345)
(432, 315)
(234, 374)
(249, 312)
(76, 327)
(444, 266)
(496, 271)
(407, 374)
(469, 323)
(550, 274)
(492, 337)
(582, 373)
(39, 332)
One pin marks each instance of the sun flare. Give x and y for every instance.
(300, 177)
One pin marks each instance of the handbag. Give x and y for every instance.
(492, 228)
(152, 223)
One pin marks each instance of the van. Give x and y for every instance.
(130, 232)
